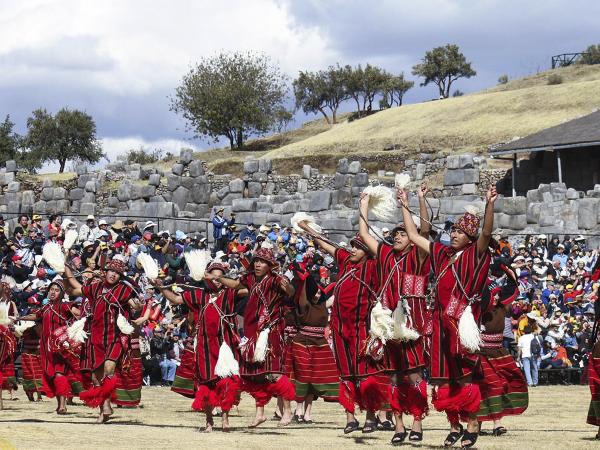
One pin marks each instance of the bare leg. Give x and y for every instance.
(350, 417)
(399, 423)
(286, 417)
(62, 406)
(472, 427)
(225, 420)
(415, 378)
(259, 417)
(308, 407)
(299, 412)
(209, 420)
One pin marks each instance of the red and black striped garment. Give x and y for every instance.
(449, 360)
(593, 417)
(404, 275)
(214, 314)
(264, 309)
(355, 295)
(30, 360)
(8, 345)
(106, 342)
(53, 317)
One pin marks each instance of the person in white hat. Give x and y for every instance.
(149, 226)
(89, 231)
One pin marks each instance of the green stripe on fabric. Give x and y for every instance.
(129, 395)
(28, 385)
(76, 388)
(497, 404)
(594, 410)
(183, 383)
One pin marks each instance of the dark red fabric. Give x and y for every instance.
(95, 396)
(283, 388)
(372, 396)
(223, 394)
(408, 398)
(457, 400)
(32, 368)
(259, 391)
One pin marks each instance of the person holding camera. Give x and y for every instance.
(220, 225)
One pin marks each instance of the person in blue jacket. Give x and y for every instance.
(220, 225)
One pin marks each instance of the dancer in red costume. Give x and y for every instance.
(57, 361)
(403, 271)
(460, 272)
(214, 316)
(110, 301)
(593, 417)
(262, 364)
(31, 363)
(7, 370)
(355, 294)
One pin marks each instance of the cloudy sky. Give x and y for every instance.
(120, 60)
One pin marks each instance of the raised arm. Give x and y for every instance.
(363, 227)
(425, 225)
(488, 221)
(411, 229)
(227, 282)
(324, 245)
(75, 285)
(287, 287)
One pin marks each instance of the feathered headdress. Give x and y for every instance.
(54, 256)
(197, 261)
(70, 238)
(148, 264)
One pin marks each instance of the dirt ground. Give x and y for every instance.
(555, 420)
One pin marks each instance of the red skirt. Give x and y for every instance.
(593, 417)
(129, 384)
(503, 388)
(350, 362)
(9, 378)
(314, 371)
(32, 372)
(185, 376)
(403, 357)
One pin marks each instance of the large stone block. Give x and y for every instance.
(302, 185)
(512, 222)
(264, 207)
(289, 207)
(236, 185)
(136, 192)
(90, 186)
(354, 167)
(166, 209)
(305, 171)
(13, 186)
(534, 195)
(420, 171)
(173, 182)
(533, 212)
(200, 193)
(361, 179)
(47, 194)
(319, 200)
(82, 180)
(188, 182)
(466, 161)
(342, 166)
(76, 194)
(180, 196)
(28, 197)
(39, 207)
(196, 168)
(124, 192)
(456, 206)
(87, 208)
(186, 155)
(113, 202)
(260, 177)
(60, 193)
(244, 204)
(63, 206)
(588, 213)
(177, 169)
(340, 180)
(9, 177)
(453, 162)
(251, 166)
(265, 165)
(255, 189)
(88, 197)
(154, 180)
(515, 205)
(11, 165)
(148, 191)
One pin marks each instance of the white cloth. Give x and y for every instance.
(525, 345)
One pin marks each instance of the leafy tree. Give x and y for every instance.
(142, 155)
(394, 88)
(315, 92)
(9, 141)
(363, 85)
(503, 79)
(591, 55)
(235, 95)
(443, 66)
(70, 135)
(458, 93)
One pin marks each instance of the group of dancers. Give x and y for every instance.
(397, 311)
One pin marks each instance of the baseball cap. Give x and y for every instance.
(16, 258)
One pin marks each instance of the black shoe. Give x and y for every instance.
(351, 426)
(297, 419)
(453, 437)
(499, 431)
(415, 436)
(386, 425)
(467, 436)
(399, 437)
(369, 426)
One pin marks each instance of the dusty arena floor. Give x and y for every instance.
(555, 419)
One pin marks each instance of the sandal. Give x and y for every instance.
(399, 437)
(307, 422)
(351, 426)
(499, 431)
(453, 437)
(386, 425)
(297, 419)
(415, 436)
(468, 436)
(369, 426)
(276, 416)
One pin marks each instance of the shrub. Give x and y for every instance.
(458, 93)
(143, 156)
(503, 79)
(554, 79)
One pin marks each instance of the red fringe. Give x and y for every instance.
(417, 400)
(283, 388)
(259, 391)
(397, 395)
(62, 387)
(371, 396)
(457, 400)
(95, 396)
(227, 390)
(205, 398)
(347, 395)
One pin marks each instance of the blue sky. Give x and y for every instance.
(121, 60)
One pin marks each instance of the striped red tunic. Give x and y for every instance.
(53, 316)
(449, 360)
(106, 342)
(263, 309)
(215, 323)
(404, 275)
(355, 294)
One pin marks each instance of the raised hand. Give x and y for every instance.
(491, 195)
(423, 190)
(402, 196)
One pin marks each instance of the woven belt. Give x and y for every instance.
(312, 331)
(492, 340)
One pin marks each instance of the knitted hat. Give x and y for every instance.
(116, 266)
(357, 242)
(216, 265)
(266, 254)
(468, 223)
(58, 282)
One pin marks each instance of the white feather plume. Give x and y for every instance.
(54, 256)
(401, 180)
(197, 262)
(124, 325)
(23, 326)
(472, 209)
(267, 244)
(417, 221)
(227, 365)
(9, 280)
(402, 331)
(70, 238)
(470, 335)
(382, 202)
(4, 319)
(382, 325)
(262, 345)
(303, 217)
(149, 265)
(76, 331)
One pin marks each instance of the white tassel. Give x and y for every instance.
(401, 331)
(382, 202)
(23, 326)
(149, 265)
(402, 180)
(124, 325)
(70, 238)
(262, 345)
(76, 332)
(382, 324)
(227, 365)
(470, 336)
(303, 217)
(472, 209)
(197, 262)
(54, 256)
(4, 319)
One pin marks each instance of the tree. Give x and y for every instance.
(70, 135)
(443, 66)
(394, 89)
(317, 91)
(235, 95)
(9, 141)
(591, 55)
(363, 85)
